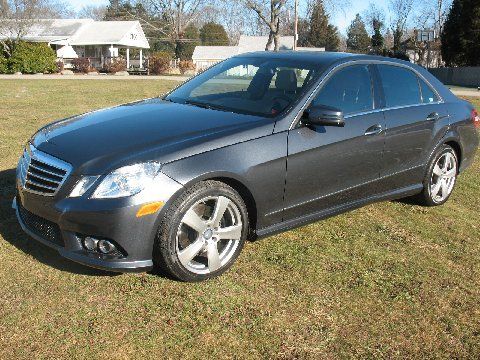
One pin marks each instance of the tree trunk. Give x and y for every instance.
(276, 38)
(270, 40)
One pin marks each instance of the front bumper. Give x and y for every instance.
(64, 222)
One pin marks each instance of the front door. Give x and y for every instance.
(328, 166)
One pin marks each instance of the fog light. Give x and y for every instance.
(106, 247)
(90, 243)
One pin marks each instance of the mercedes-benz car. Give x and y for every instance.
(255, 145)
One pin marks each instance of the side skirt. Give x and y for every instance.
(307, 219)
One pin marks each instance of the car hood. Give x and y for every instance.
(100, 141)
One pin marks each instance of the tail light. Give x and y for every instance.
(475, 118)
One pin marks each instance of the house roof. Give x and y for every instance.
(258, 43)
(127, 33)
(214, 52)
(245, 44)
(86, 32)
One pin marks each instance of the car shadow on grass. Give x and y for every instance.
(11, 231)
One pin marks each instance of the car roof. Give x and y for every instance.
(324, 58)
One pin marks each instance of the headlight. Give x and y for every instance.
(127, 181)
(83, 185)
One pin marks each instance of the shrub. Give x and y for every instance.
(116, 65)
(60, 66)
(159, 62)
(186, 65)
(82, 65)
(32, 58)
(3, 64)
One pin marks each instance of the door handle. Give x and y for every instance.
(433, 117)
(374, 130)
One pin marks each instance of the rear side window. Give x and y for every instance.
(349, 89)
(428, 95)
(400, 86)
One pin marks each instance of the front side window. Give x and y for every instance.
(349, 90)
(249, 85)
(400, 86)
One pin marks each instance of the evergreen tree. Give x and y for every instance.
(213, 34)
(461, 34)
(357, 36)
(186, 45)
(453, 35)
(322, 34)
(377, 37)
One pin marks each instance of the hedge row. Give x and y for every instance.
(29, 58)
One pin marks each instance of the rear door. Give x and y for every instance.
(328, 166)
(413, 113)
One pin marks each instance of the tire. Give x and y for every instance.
(193, 242)
(431, 195)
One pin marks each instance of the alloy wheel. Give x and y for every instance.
(208, 234)
(443, 177)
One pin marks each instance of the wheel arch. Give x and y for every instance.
(455, 145)
(238, 185)
(245, 194)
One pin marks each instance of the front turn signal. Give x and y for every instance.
(149, 209)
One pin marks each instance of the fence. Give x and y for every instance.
(460, 76)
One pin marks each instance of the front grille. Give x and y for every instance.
(41, 173)
(39, 226)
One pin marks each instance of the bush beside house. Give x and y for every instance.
(28, 58)
(32, 58)
(3, 64)
(159, 62)
(116, 65)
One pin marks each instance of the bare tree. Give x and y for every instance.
(269, 14)
(178, 14)
(17, 17)
(373, 14)
(92, 12)
(400, 10)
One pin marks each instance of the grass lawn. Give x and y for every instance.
(390, 280)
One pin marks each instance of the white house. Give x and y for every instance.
(206, 56)
(99, 41)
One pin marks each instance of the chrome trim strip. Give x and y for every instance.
(33, 153)
(367, 62)
(45, 171)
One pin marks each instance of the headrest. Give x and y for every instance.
(286, 80)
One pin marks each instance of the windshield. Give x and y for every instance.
(249, 85)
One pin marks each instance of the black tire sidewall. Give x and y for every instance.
(165, 253)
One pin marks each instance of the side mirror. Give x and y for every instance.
(324, 116)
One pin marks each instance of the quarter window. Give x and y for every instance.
(349, 90)
(428, 96)
(400, 86)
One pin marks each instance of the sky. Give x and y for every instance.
(342, 19)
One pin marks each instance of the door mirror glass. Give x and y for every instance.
(321, 115)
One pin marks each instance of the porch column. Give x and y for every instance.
(141, 58)
(128, 58)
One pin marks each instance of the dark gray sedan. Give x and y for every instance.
(258, 144)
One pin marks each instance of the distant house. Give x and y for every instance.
(99, 41)
(205, 56)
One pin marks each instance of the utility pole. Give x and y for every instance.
(295, 30)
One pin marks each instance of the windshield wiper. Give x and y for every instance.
(205, 105)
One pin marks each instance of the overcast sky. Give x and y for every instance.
(341, 20)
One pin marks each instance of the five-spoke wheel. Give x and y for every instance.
(203, 232)
(443, 177)
(209, 234)
(440, 177)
